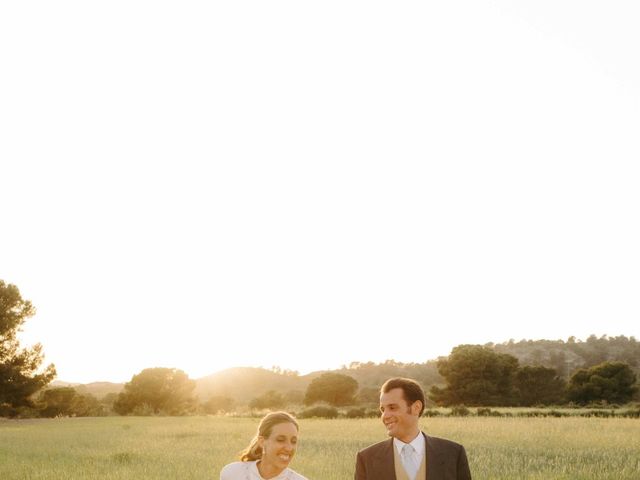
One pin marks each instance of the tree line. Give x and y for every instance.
(509, 374)
(478, 375)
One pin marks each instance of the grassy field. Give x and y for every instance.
(197, 447)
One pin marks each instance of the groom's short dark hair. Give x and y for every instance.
(411, 390)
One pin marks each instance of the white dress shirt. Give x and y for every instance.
(419, 447)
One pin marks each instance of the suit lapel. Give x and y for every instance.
(434, 459)
(384, 462)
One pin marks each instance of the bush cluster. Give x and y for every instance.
(320, 411)
(460, 411)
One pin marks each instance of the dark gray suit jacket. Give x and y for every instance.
(446, 460)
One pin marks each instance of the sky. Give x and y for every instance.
(203, 185)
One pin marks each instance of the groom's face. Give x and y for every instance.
(400, 418)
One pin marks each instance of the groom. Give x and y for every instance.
(409, 454)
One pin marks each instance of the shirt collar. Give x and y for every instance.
(417, 443)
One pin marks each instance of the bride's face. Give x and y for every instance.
(280, 447)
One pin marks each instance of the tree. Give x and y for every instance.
(368, 395)
(56, 402)
(166, 391)
(270, 399)
(539, 386)
(66, 401)
(20, 373)
(108, 400)
(87, 405)
(612, 382)
(476, 376)
(334, 388)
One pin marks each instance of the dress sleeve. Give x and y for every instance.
(229, 472)
(297, 476)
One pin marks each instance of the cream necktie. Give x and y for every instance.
(410, 461)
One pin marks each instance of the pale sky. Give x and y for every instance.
(202, 185)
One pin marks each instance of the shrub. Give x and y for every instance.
(532, 413)
(599, 413)
(460, 411)
(67, 402)
(144, 410)
(268, 400)
(357, 412)
(319, 411)
(218, 404)
(372, 413)
(634, 413)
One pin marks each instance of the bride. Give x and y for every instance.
(268, 455)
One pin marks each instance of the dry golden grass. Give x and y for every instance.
(197, 447)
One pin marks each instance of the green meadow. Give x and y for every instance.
(197, 447)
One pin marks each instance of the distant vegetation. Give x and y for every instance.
(479, 376)
(567, 357)
(598, 371)
(471, 376)
(157, 391)
(335, 389)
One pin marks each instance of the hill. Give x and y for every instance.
(100, 389)
(97, 389)
(567, 357)
(244, 383)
